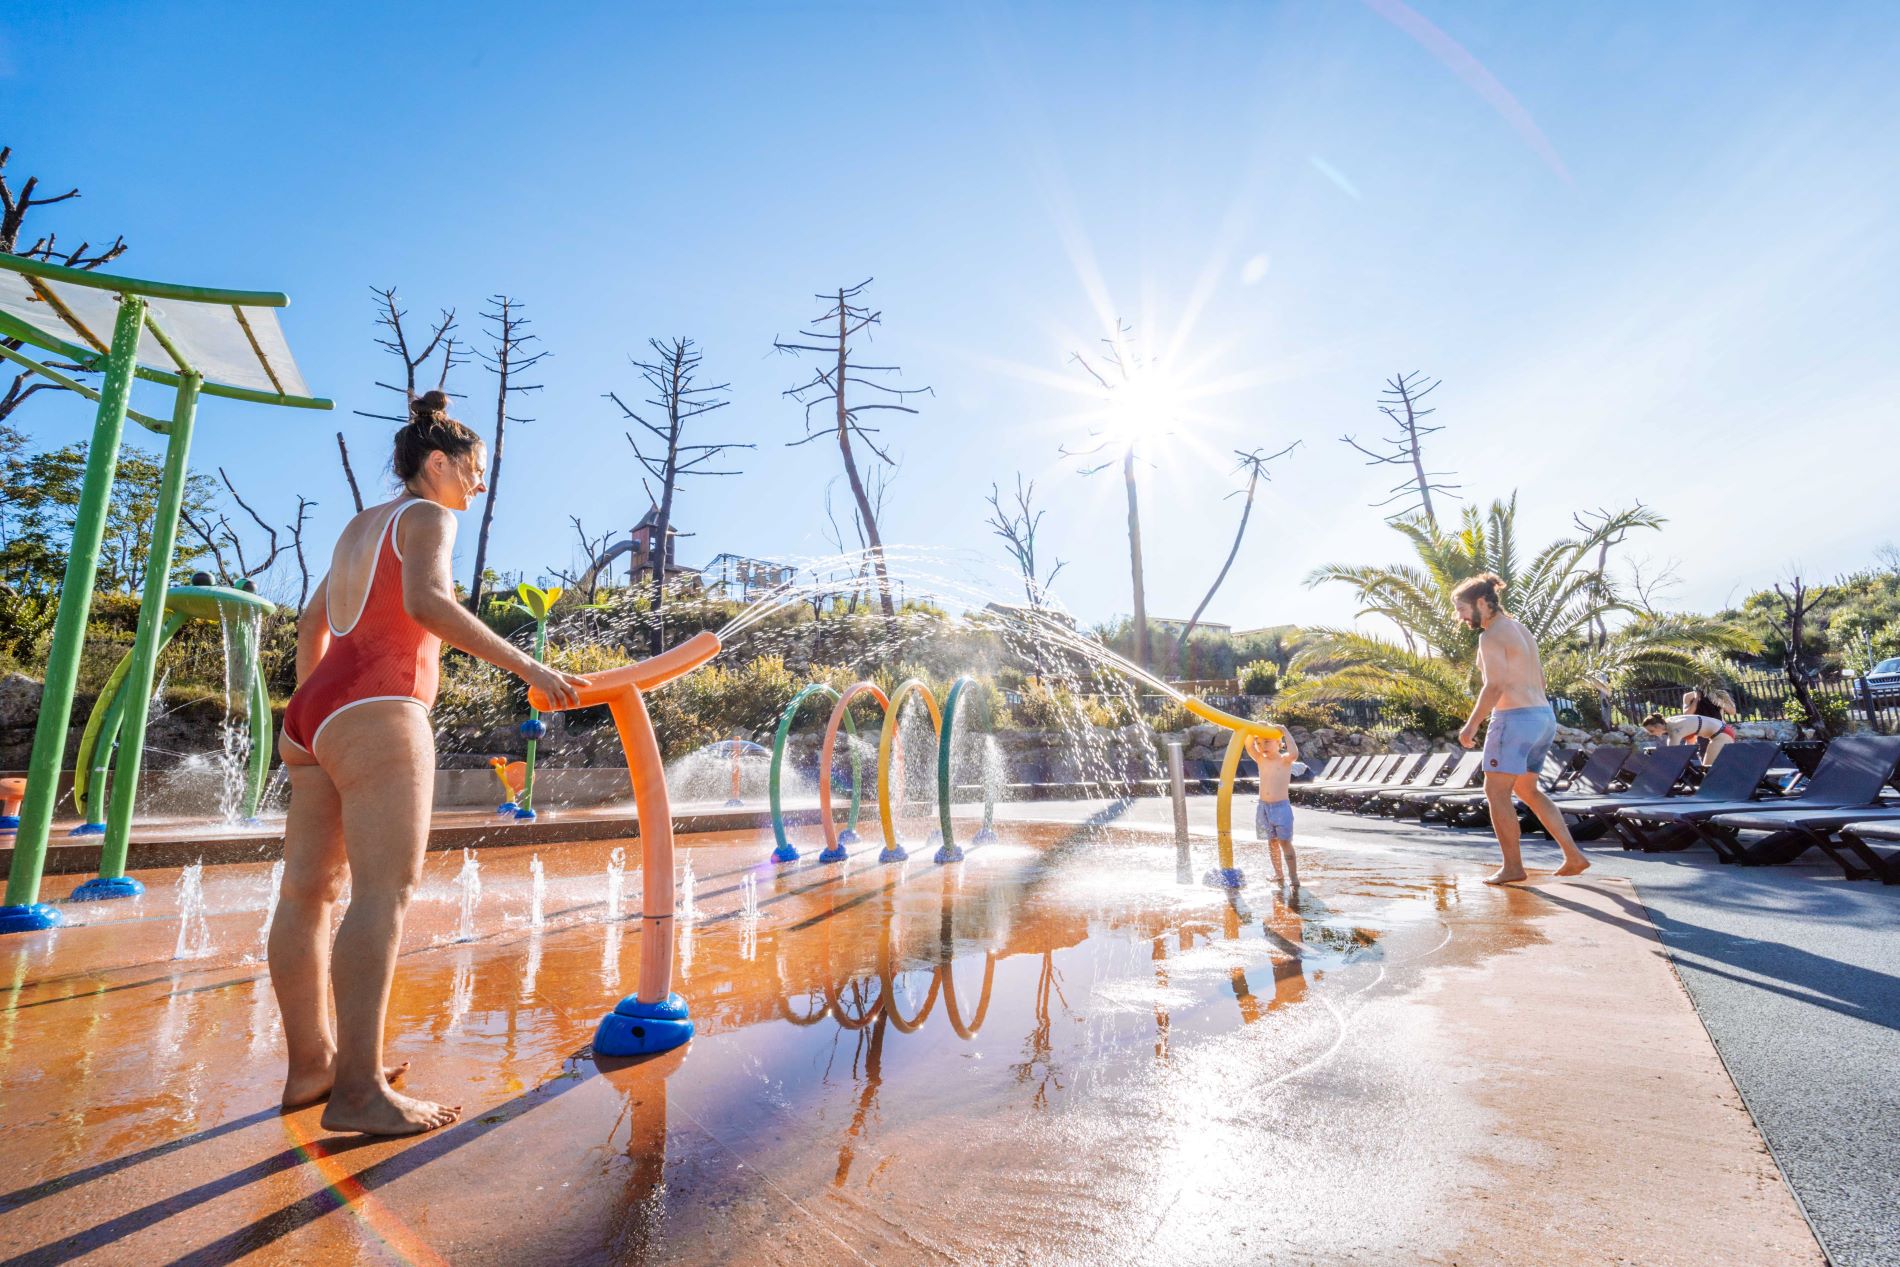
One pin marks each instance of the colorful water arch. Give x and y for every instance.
(887, 751)
(786, 851)
(944, 721)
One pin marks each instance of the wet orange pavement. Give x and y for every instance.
(1057, 1051)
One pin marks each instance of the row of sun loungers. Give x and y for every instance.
(1659, 800)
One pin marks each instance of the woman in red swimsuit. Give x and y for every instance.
(361, 756)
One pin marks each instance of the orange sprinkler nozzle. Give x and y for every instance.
(604, 688)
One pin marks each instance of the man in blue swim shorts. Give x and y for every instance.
(1521, 730)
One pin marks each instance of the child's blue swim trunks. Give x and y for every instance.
(1273, 820)
(1518, 739)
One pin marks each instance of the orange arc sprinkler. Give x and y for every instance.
(653, 1018)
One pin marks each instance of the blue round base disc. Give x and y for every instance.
(948, 853)
(1225, 878)
(100, 888)
(84, 829)
(785, 853)
(896, 853)
(635, 1028)
(30, 919)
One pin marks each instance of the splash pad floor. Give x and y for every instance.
(1059, 1051)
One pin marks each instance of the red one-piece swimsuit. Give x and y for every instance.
(383, 655)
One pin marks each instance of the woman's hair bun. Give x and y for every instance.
(430, 430)
(429, 407)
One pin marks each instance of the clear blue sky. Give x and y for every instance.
(1651, 249)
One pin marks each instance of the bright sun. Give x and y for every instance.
(1144, 405)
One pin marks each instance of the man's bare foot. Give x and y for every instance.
(1576, 867)
(1502, 876)
(306, 1087)
(386, 1112)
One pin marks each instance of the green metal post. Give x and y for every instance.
(138, 684)
(527, 776)
(75, 608)
(102, 735)
(262, 729)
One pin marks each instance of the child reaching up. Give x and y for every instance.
(1273, 819)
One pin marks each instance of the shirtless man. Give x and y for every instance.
(1273, 817)
(1522, 726)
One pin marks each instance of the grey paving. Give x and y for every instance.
(1794, 971)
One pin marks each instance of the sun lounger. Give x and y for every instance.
(1411, 802)
(1654, 775)
(1850, 775)
(1736, 775)
(1869, 863)
(1373, 772)
(1338, 770)
(1423, 775)
(1395, 774)
(1596, 775)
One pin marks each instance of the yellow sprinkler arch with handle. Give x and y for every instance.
(1240, 729)
(886, 745)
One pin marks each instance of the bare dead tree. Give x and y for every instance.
(676, 400)
(15, 205)
(296, 527)
(1400, 403)
(1593, 523)
(1649, 582)
(218, 536)
(1018, 525)
(343, 451)
(510, 357)
(594, 558)
(830, 385)
(1123, 366)
(1791, 625)
(402, 345)
(1255, 464)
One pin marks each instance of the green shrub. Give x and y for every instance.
(1260, 677)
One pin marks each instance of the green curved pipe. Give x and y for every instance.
(261, 728)
(786, 851)
(102, 730)
(944, 744)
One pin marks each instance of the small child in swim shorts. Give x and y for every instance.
(1273, 816)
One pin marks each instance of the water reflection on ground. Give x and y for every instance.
(1055, 1051)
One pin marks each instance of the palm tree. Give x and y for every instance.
(1561, 594)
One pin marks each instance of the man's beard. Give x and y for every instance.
(1474, 620)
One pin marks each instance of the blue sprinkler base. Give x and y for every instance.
(29, 919)
(11, 822)
(984, 836)
(734, 803)
(525, 816)
(1225, 878)
(507, 807)
(847, 837)
(949, 852)
(896, 853)
(101, 888)
(635, 1028)
(834, 855)
(84, 829)
(785, 853)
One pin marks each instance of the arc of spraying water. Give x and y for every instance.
(949, 851)
(886, 745)
(786, 851)
(835, 841)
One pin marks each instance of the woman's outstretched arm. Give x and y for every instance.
(426, 539)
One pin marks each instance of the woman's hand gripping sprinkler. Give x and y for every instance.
(653, 1018)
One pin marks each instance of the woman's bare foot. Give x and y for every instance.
(306, 1087)
(1504, 876)
(386, 1112)
(1574, 866)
